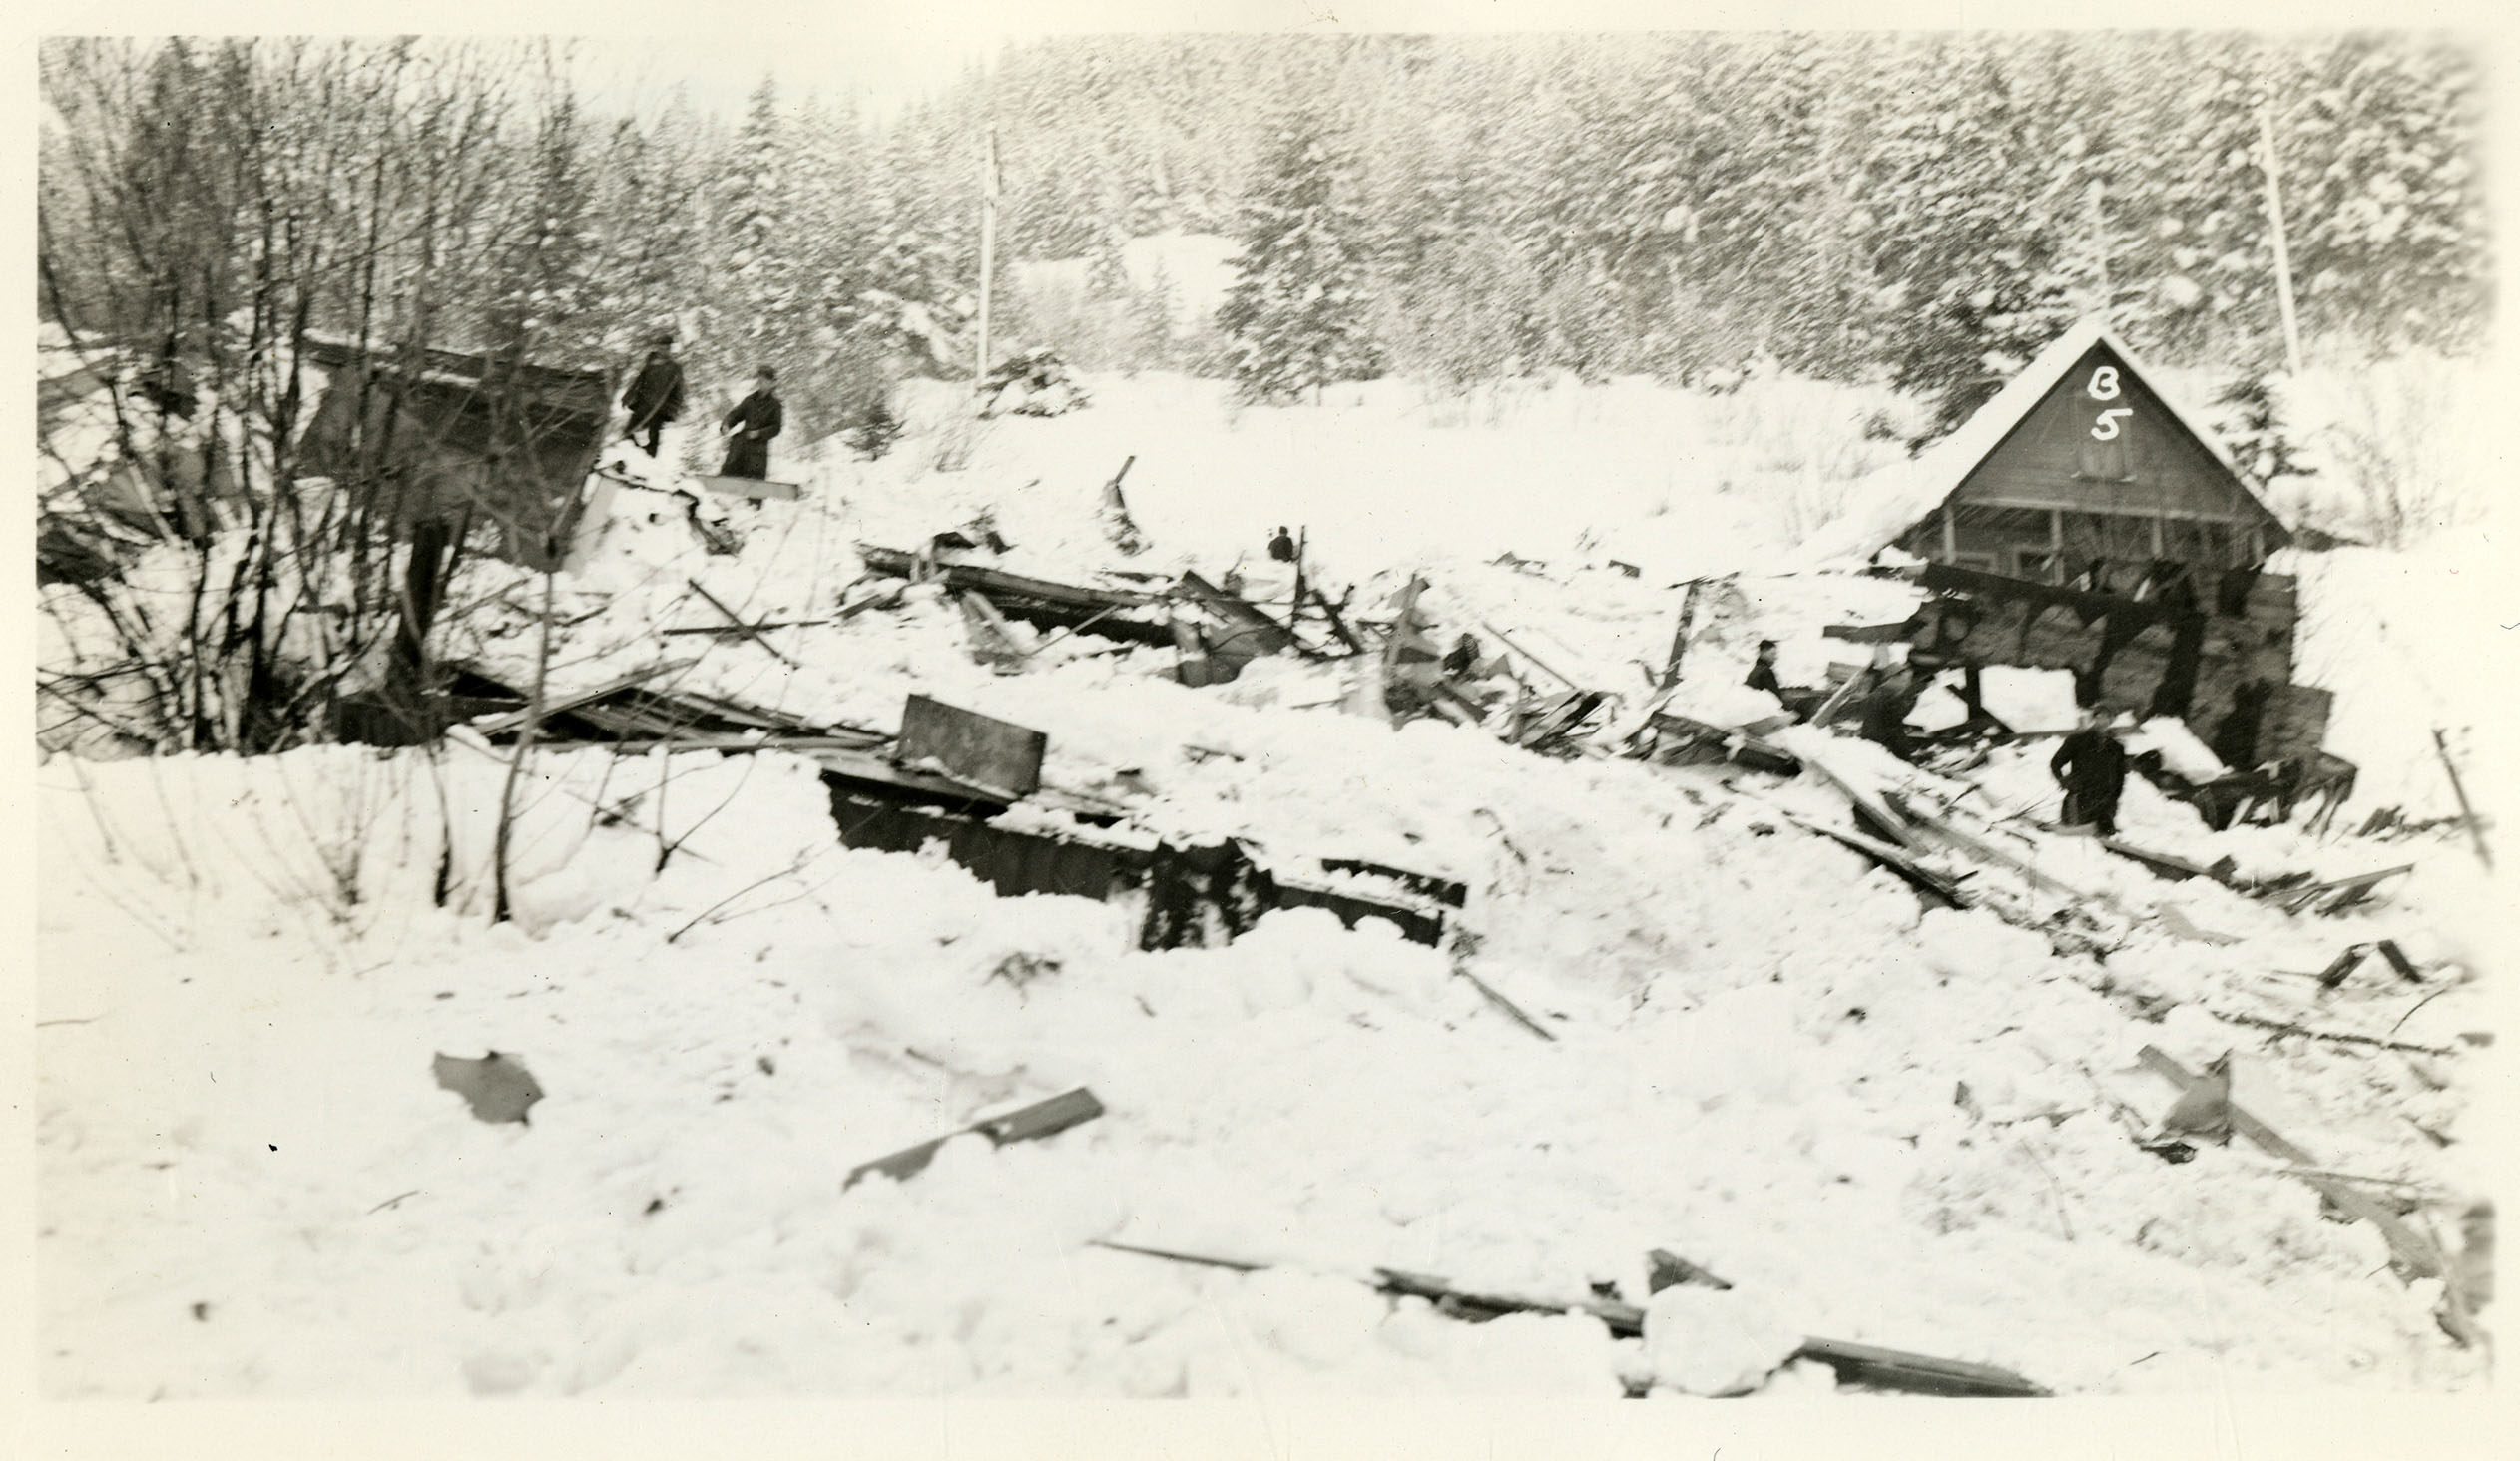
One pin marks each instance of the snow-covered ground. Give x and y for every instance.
(1880, 1124)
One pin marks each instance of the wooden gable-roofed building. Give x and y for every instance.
(2078, 459)
(2083, 520)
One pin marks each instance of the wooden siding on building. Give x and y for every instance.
(2151, 466)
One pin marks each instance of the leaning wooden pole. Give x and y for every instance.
(2467, 814)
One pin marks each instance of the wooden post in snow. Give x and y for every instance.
(2467, 814)
(1680, 635)
(2284, 255)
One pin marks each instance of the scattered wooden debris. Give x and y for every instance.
(993, 643)
(729, 631)
(2339, 894)
(496, 726)
(2351, 959)
(2341, 1037)
(1858, 1364)
(1041, 1119)
(1247, 630)
(1685, 742)
(2415, 1255)
(1120, 613)
(750, 631)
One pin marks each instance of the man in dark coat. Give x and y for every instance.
(2091, 766)
(1763, 670)
(655, 395)
(751, 425)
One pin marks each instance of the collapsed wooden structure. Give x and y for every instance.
(949, 778)
(2083, 520)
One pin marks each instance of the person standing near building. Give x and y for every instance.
(655, 395)
(751, 425)
(2091, 766)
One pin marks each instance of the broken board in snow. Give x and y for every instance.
(980, 750)
(1041, 1119)
(757, 489)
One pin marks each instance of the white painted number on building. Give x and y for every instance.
(2104, 384)
(2105, 428)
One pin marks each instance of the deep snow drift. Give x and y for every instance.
(1879, 1124)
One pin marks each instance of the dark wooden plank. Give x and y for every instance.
(1924, 1374)
(997, 755)
(1041, 1119)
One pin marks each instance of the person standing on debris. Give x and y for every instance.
(1885, 712)
(1281, 548)
(2091, 766)
(655, 395)
(1763, 670)
(751, 425)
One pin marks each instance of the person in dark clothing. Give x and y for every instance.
(1886, 712)
(2091, 766)
(1281, 548)
(655, 395)
(2234, 741)
(1763, 670)
(751, 425)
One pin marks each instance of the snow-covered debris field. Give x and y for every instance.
(1878, 1122)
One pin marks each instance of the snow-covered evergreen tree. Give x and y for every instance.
(1297, 312)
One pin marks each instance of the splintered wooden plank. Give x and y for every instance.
(1041, 1119)
(2177, 869)
(996, 755)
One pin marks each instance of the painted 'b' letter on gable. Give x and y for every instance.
(2098, 438)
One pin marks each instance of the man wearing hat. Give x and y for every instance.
(655, 395)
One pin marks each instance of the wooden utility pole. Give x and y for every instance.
(2098, 222)
(2284, 255)
(988, 253)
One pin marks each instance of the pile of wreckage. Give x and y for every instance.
(971, 786)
